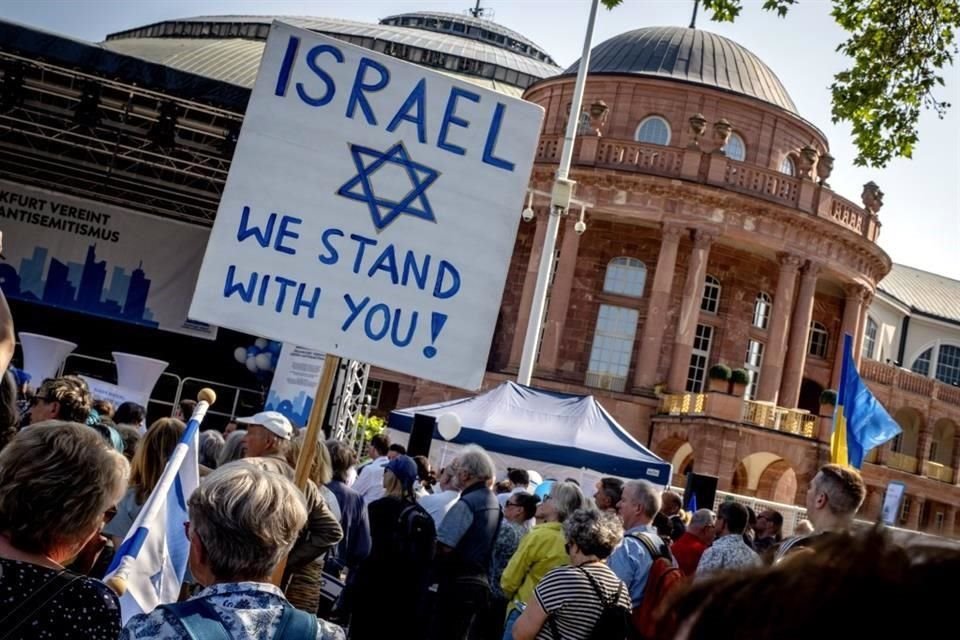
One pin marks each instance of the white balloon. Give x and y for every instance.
(448, 425)
(264, 362)
(252, 364)
(260, 343)
(240, 354)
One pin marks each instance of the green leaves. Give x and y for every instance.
(898, 50)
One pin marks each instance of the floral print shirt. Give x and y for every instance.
(248, 610)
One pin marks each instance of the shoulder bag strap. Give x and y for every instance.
(662, 552)
(596, 588)
(296, 625)
(198, 619)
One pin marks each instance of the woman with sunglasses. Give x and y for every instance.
(58, 481)
(540, 550)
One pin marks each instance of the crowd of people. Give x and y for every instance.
(394, 548)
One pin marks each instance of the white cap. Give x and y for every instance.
(273, 421)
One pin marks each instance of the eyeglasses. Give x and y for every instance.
(109, 514)
(512, 504)
(35, 400)
(546, 497)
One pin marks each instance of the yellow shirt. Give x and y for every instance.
(540, 551)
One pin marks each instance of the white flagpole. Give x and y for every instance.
(560, 203)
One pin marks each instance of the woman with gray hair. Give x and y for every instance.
(211, 444)
(233, 449)
(540, 550)
(570, 600)
(58, 484)
(243, 522)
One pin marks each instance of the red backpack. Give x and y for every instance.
(662, 580)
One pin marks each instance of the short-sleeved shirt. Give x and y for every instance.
(567, 596)
(79, 608)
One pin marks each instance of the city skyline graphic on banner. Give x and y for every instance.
(296, 409)
(80, 287)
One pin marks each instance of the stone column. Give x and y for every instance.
(867, 298)
(771, 373)
(559, 297)
(852, 309)
(689, 310)
(916, 507)
(799, 330)
(923, 448)
(651, 338)
(950, 522)
(955, 459)
(526, 298)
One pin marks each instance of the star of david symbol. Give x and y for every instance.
(383, 210)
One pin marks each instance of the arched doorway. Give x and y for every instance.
(766, 476)
(911, 421)
(942, 443)
(679, 453)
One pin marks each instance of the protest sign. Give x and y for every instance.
(370, 211)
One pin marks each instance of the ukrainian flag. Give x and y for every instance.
(860, 423)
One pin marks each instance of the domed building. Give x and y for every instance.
(712, 238)
(229, 48)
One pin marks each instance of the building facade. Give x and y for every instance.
(713, 237)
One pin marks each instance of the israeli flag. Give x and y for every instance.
(149, 566)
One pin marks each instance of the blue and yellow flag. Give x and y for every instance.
(860, 423)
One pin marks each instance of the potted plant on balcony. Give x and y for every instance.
(828, 400)
(739, 379)
(719, 378)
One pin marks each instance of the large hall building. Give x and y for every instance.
(712, 236)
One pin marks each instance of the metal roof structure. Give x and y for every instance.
(228, 48)
(689, 55)
(926, 293)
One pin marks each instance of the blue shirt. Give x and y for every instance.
(631, 561)
(355, 545)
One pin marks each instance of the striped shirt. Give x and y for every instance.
(567, 595)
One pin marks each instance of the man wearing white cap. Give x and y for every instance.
(268, 434)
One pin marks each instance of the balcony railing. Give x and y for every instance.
(938, 471)
(679, 404)
(901, 461)
(694, 165)
(765, 415)
(909, 381)
(769, 416)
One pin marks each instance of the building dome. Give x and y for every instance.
(689, 55)
(229, 48)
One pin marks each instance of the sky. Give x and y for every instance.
(921, 212)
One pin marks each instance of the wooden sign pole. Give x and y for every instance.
(314, 425)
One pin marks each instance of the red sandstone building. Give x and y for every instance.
(713, 236)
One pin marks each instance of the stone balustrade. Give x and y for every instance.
(908, 381)
(764, 415)
(694, 165)
(901, 461)
(938, 471)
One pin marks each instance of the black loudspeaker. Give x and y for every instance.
(704, 487)
(421, 435)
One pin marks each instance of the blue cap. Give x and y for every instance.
(404, 468)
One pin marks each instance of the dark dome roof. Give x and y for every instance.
(689, 55)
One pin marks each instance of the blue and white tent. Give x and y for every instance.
(557, 434)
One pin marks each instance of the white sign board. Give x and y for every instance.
(890, 514)
(295, 380)
(370, 211)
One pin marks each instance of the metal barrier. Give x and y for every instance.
(171, 388)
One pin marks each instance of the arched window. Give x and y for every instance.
(818, 340)
(948, 364)
(653, 130)
(612, 347)
(761, 310)
(711, 295)
(870, 338)
(922, 364)
(736, 149)
(788, 166)
(625, 277)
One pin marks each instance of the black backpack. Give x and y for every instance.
(614, 621)
(415, 538)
